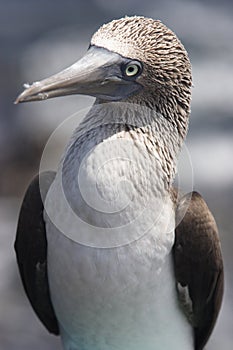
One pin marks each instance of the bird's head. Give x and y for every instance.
(133, 59)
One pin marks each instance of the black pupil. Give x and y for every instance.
(131, 69)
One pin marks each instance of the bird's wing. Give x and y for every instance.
(31, 250)
(198, 267)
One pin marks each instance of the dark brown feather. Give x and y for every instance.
(31, 250)
(199, 266)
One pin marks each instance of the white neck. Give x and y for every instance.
(139, 123)
(116, 172)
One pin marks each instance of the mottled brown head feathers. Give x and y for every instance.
(166, 77)
(145, 39)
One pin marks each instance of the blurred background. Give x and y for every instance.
(37, 39)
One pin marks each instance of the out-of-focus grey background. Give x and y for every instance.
(38, 38)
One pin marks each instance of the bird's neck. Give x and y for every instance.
(141, 124)
(119, 164)
(171, 104)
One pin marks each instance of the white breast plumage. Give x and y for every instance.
(121, 273)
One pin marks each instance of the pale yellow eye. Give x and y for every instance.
(131, 70)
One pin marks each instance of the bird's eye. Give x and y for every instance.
(133, 69)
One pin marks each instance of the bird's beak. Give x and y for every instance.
(97, 74)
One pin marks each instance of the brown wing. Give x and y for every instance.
(199, 267)
(31, 251)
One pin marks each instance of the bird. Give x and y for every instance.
(111, 256)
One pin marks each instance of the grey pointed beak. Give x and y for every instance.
(97, 74)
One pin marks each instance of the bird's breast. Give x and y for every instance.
(116, 298)
(110, 179)
(111, 188)
(110, 230)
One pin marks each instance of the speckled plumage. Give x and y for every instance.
(167, 74)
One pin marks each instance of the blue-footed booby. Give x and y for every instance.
(110, 256)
